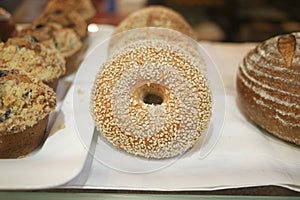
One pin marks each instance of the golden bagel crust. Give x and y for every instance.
(125, 112)
(156, 16)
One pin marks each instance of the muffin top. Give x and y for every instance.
(66, 17)
(27, 53)
(64, 39)
(24, 100)
(84, 8)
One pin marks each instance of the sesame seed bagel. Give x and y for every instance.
(150, 17)
(268, 85)
(187, 44)
(151, 100)
(156, 16)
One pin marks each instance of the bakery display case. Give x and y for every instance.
(233, 157)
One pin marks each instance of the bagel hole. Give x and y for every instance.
(155, 99)
(151, 94)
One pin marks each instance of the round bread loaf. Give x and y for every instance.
(268, 86)
(25, 104)
(156, 16)
(151, 99)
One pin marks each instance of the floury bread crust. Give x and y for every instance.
(268, 86)
(25, 104)
(151, 100)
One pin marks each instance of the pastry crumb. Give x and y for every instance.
(79, 91)
(57, 128)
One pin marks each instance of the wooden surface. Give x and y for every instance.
(246, 191)
(265, 192)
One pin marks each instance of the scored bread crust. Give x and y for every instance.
(268, 85)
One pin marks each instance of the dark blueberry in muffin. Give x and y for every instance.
(2, 73)
(5, 116)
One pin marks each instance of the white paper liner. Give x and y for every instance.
(243, 157)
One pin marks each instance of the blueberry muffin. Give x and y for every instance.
(33, 57)
(64, 16)
(25, 105)
(53, 34)
(85, 8)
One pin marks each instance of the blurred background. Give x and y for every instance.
(215, 20)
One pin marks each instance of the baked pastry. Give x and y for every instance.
(156, 16)
(84, 8)
(7, 25)
(151, 23)
(40, 61)
(65, 16)
(268, 85)
(25, 104)
(53, 34)
(151, 99)
(119, 41)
